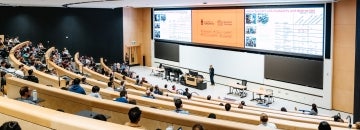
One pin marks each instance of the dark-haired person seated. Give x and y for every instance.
(324, 126)
(198, 127)
(157, 90)
(10, 125)
(76, 88)
(123, 97)
(313, 111)
(186, 92)
(227, 107)
(134, 116)
(25, 95)
(95, 92)
(31, 77)
(100, 117)
(264, 122)
(283, 109)
(178, 105)
(208, 97)
(148, 94)
(212, 116)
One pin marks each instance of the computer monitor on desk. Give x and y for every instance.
(193, 73)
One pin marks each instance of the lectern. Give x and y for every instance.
(133, 49)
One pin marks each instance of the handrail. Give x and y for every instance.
(36, 117)
(43, 78)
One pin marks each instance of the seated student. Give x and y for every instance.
(324, 126)
(186, 92)
(25, 95)
(314, 110)
(3, 82)
(95, 92)
(20, 71)
(10, 125)
(122, 86)
(208, 97)
(100, 117)
(110, 86)
(143, 80)
(134, 116)
(137, 80)
(157, 90)
(212, 115)
(31, 77)
(283, 109)
(178, 105)
(8, 68)
(264, 122)
(76, 87)
(198, 127)
(243, 103)
(173, 87)
(227, 107)
(123, 97)
(148, 94)
(83, 80)
(188, 96)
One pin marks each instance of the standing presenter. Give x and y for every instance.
(211, 71)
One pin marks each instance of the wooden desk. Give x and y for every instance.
(239, 88)
(157, 71)
(191, 80)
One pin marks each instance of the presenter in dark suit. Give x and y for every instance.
(211, 69)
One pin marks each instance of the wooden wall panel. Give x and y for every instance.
(344, 55)
(137, 26)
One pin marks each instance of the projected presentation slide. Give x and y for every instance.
(172, 25)
(224, 27)
(294, 30)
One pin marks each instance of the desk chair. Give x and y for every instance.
(270, 96)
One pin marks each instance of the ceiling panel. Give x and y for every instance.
(150, 3)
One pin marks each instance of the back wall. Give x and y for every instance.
(92, 32)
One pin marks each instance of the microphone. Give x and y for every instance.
(349, 117)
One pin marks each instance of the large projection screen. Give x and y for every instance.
(233, 64)
(221, 27)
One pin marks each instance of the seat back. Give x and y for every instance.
(270, 92)
(244, 82)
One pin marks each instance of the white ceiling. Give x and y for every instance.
(151, 3)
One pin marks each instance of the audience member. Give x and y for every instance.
(123, 97)
(10, 125)
(208, 97)
(20, 71)
(143, 80)
(76, 87)
(186, 92)
(243, 103)
(227, 107)
(188, 96)
(134, 116)
(283, 109)
(25, 95)
(324, 126)
(122, 86)
(212, 115)
(110, 86)
(241, 106)
(148, 94)
(314, 110)
(95, 92)
(100, 117)
(157, 90)
(8, 68)
(173, 87)
(178, 105)
(198, 127)
(264, 122)
(31, 77)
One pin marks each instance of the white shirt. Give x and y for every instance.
(97, 95)
(110, 88)
(19, 72)
(268, 125)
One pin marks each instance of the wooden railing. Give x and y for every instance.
(43, 78)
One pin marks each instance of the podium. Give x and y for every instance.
(134, 52)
